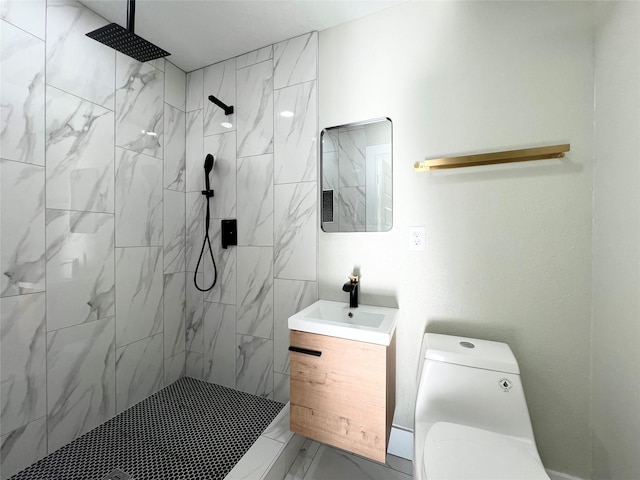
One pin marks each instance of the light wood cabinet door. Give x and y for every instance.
(345, 396)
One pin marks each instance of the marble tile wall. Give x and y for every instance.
(93, 238)
(265, 176)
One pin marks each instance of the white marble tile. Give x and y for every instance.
(225, 289)
(352, 157)
(194, 315)
(289, 297)
(330, 171)
(174, 368)
(339, 465)
(194, 152)
(139, 106)
(194, 365)
(257, 461)
(195, 92)
(23, 355)
(22, 252)
(80, 380)
(195, 228)
(138, 199)
(255, 109)
(80, 267)
(295, 137)
(303, 460)
(219, 81)
(277, 469)
(295, 238)
(223, 175)
(80, 155)
(139, 371)
(256, 56)
(220, 344)
(254, 365)
(351, 209)
(158, 63)
(175, 86)
(29, 16)
(291, 450)
(174, 148)
(23, 447)
(255, 200)
(76, 63)
(295, 60)
(255, 292)
(278, 429)
(139, 285)
(174, 313)
(22, 96)
(281, 387)
(174, 231)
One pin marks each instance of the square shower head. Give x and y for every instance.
(122, 40)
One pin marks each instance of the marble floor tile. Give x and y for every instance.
(80, 267)
(23, 359)
(22, 95)
(22, 253)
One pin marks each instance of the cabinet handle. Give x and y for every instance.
(306, 351)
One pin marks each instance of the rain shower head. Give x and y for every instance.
(127, 42)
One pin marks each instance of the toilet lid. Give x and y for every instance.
(453, 451)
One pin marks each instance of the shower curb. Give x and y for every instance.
(272, 455)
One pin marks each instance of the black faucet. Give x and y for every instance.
(352, 287)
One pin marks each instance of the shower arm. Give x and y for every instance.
(227, 109)
(131, 15)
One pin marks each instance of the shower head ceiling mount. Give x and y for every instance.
(127, 42)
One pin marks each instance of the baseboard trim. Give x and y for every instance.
(401, 443)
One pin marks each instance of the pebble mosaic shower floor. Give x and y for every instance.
(190, 430)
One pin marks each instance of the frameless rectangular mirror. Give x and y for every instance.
(356, 162)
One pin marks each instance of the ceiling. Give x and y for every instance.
(198, 33)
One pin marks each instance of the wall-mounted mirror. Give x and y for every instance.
(356, 162)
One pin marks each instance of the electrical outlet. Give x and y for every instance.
(416, 238)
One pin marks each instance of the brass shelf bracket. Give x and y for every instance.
(522, 155)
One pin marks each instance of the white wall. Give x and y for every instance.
(616, 247)
(508, 246)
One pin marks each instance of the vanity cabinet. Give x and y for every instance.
(343, 392)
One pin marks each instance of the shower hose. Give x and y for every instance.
(207, 241)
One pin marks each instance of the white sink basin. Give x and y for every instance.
(367, 323)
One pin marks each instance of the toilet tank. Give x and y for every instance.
(471, 382)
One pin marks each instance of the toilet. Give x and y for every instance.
(471, 417)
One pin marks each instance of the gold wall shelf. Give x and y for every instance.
(522, 155)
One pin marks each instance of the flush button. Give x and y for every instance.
(506, 384)
(467, 345)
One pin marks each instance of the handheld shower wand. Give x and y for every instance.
(209, 161)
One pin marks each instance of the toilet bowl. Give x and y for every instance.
(471, 416)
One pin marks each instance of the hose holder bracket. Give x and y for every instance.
(207, 193)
